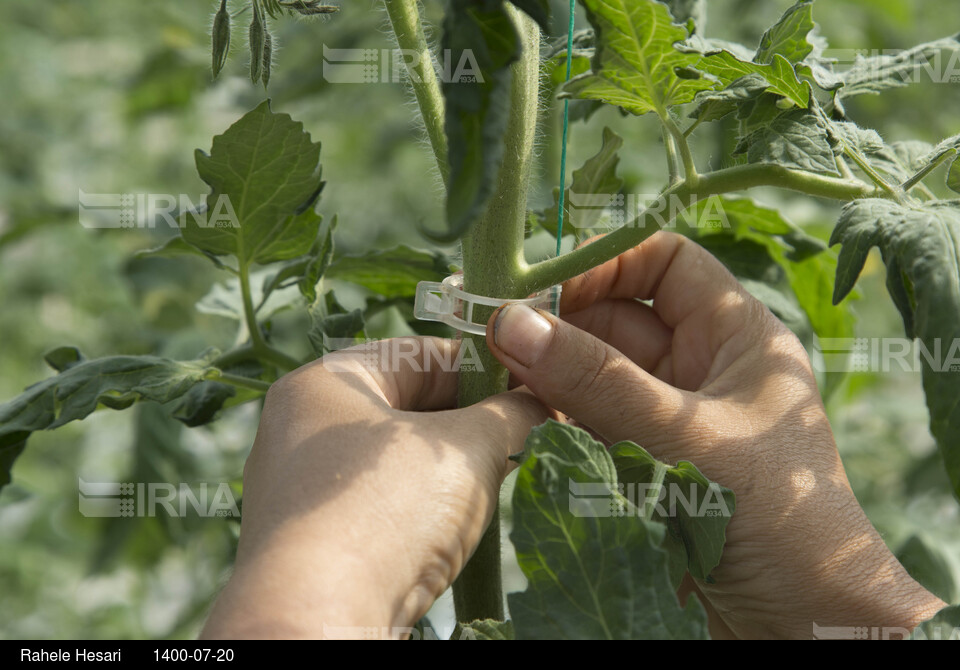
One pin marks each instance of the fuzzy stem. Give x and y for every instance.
(241, 382)
(557, 270)
(492, 266)
(408, 29)
(263, 350)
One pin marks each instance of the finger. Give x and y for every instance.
(587, 379)
(629, 326)
(406, 373)
(504, 421)
(680, 276)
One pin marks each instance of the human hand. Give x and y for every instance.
(362, 499)
(708, 374)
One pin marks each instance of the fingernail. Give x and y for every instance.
(522, 333)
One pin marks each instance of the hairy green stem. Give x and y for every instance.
(689, 167)
(492, 265)
(408, 29)
(557, 270)
(241, 382)
(867, 169)
(263, 350)
(927, 169)
(672, 162)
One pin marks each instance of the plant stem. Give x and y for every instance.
(672, 162)
(689, 167)
(874, 176)
(492, 266)
(241, 382)
(263, 350)
(927, 169)
(557, 270)
(408, 29)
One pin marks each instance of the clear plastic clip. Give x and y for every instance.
(448, 303)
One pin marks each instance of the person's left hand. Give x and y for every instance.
(360, 503)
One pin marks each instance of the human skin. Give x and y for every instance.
(365, 493)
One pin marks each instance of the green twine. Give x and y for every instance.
(566, 124)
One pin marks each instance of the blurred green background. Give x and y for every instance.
(114, 96)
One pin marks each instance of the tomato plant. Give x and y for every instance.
(785, 103)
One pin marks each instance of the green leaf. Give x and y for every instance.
(306, 270)
(63, 358)
(592, 182)
(589, 575)
(945, 625)
(177, 246)
(391, 273)
(264, 173)
(695, 510)
(788, 36)
(485, 629)
(874, 74)
(953, 175)
(713, 105)
(635, 63)
(921, 249)
(115, 382)
(538, 10)
(482, 35)
(330, 321)
(930, 566)
(796, 139)
(779, 73)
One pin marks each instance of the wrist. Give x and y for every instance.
(297, 588)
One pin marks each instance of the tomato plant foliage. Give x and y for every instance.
(610, 573)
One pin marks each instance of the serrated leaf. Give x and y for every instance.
(920, 246)
(695, 510)
(788, 36)
(713, 105)
(485, 629)
(635, 62)
(392, 273)
(177, 246)
(115, 382)
(265, 170)
(592, 183)
(796, 139)
(588, 576)
(331, 326)
(307, 270)
(850, 135)
(874, 74)
(779, 73)
(477, 106)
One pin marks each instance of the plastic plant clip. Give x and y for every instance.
(448, 303)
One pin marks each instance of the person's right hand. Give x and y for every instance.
(707, 374)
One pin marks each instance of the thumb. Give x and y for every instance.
(585, 378)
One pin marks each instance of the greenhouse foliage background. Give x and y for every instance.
(114, 96)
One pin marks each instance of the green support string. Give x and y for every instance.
(566, 124)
